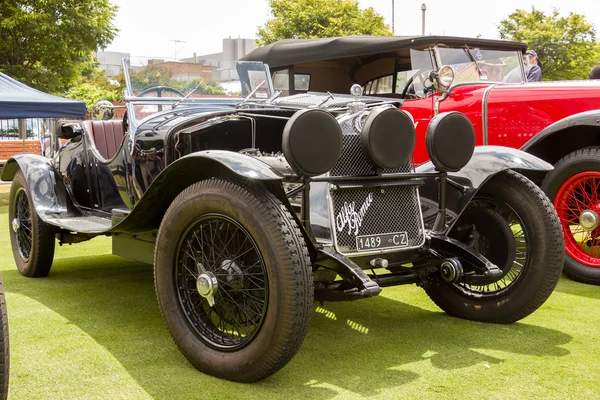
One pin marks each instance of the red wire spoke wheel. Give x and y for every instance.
(577, 203)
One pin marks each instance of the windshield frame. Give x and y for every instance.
(467, 49)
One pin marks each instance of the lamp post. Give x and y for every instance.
(423, 8)
(175, 41)
(393, 30)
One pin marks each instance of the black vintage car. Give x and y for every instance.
(250, 209)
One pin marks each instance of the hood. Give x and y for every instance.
(327, 100)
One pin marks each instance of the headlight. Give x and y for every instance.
(388, 137)
(312, 142)
(445, 78)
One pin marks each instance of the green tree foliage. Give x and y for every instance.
(305, 19)
(155, 75)
(47, 43)
(566, 46)
(93, 86)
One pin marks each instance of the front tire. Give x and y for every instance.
(233, 279)
(531, 259)
(31, 238)
(573, 186)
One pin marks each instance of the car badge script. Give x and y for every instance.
(351, 217)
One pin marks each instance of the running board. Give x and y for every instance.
(90, 224)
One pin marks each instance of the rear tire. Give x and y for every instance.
(574, 174)
(532, 269)
(237, 245)
(31, 238)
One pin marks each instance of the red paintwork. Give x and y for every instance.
(516, 112)
(576, 195)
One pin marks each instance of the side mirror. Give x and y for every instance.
(68, 130)
(104, 110)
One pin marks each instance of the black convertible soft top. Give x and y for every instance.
(293, 51)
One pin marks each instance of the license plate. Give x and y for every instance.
(382, 241)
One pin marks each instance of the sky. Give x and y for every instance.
(149, 28)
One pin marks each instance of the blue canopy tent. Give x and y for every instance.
(18, 100)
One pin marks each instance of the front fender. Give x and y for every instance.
(147, 213)
(48, 194)
(487, 161)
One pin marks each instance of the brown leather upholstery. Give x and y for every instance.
(107, 136)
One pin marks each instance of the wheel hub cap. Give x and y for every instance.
(589, 220)
(207, 286)
(15, 225)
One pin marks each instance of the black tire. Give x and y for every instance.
(31, 238)
(278, 320)
(4, 346)
(577, 265)
(532, 269)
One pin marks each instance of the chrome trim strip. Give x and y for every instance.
(484, 112)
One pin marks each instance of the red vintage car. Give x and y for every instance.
(484, 79)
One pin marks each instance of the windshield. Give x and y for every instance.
(163, 86)
(411, 77)
(476, 64)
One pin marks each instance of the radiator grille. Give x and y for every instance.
(378, 211)
(353, 161)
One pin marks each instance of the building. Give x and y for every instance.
(224, 62)
(111, 62)
(185, 71)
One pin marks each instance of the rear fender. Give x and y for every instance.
(565, 136)
(48, 193)
(487, 161)
(588, 118)
(148, 212)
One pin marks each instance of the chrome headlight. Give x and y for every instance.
(444, 78)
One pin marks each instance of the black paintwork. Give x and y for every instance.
(486, 162)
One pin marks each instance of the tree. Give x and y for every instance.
(93, 86)
(47, 43)
(566, 46)
(155, 75)
(305, 19)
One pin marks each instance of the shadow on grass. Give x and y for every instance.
(362, 347)
(569, 286)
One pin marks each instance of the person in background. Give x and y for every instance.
(533, 67)
(492, 70)
(595, 73)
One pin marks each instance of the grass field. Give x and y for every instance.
(93, 330)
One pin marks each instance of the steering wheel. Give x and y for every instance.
(159, 91)
(419, 74)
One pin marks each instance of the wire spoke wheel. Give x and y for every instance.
(22, 224)
(512, 223)
(221, 282)
(32, 240)
(233, 279)
(578, 206)
(514, 267)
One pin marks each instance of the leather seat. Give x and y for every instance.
(107, 136)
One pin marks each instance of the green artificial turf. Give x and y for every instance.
(93, 330)
(3, 198)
